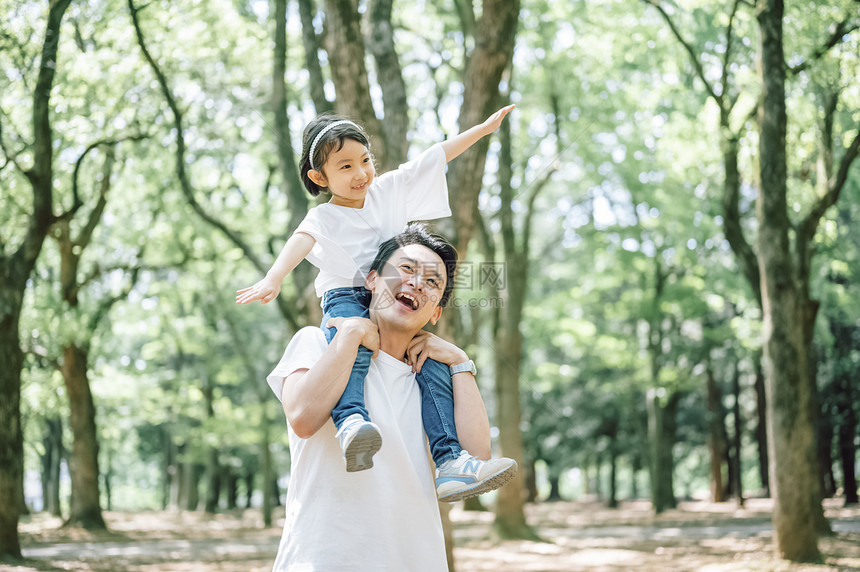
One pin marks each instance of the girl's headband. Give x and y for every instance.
(323, 132)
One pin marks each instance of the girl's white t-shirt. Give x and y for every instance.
(347, 239)
(383, 519)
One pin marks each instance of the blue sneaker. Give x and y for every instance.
(465, 476)
(360, 440)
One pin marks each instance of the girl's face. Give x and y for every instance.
(347, 173)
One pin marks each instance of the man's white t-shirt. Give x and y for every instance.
(383, 519)
(347, 239)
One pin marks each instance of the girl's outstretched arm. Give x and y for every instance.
(267, 289)
(456, 145)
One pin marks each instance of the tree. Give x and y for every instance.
(507, 337)
(773, 233)
(789, 313)
(85, 509)
(15, 269)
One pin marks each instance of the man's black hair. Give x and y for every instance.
(417, 233)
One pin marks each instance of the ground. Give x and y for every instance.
(698, 536)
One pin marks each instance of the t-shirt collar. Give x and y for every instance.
(390, 361)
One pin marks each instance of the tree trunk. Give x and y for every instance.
(634, 486)
(810, 312)
(191, 487)
(613, 473)
(276, 491)
(847, 454)
(845, 397)
(267, 475)
(85, 510)
(249, 490)
(380, 41)
(494, 48)
(213, 482)
(737, 466)
(635, 468)
(14, 272)
(554, 489)
(231, 488)
(510, 519)
(586, 477)
(508, 344)
(824, 447)
(108, 477)
(177, 483)
(791, 435)
(311, 42)
(306, 301)
(531, 481)
(732, 225)
(661, 431)
(11, 437)
(52, 441)
(761, 425)
(346, 56)
(167, 466)
(716, 444)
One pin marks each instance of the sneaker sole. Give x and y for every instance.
(359, 453)
(498, 480)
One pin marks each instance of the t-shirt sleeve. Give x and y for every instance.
(303, 351)
(419, 186)
(326, 254)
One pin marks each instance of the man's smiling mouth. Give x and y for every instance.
(407, 300)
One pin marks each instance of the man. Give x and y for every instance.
(385, 518)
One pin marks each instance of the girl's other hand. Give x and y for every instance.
(265, 291)
(426, 345)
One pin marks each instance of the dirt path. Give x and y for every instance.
(578, 536)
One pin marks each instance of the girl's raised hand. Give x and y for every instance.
(265, 291)
(494, 121)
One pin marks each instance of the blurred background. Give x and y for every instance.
(661, 277)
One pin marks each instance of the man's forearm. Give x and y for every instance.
(309, 396)
(470, 416)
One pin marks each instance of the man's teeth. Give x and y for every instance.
(409, 299)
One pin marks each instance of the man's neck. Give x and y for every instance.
(394, 343)
(393, 340)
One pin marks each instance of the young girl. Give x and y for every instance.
(341, 238)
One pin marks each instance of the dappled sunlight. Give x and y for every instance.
(695, 536)
(577, 536)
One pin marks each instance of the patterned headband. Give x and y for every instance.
(323, 132)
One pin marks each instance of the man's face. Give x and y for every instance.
(406, 293)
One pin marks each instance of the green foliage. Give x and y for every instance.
(604, 93)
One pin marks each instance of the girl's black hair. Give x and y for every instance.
(417, 233)
(332, 141)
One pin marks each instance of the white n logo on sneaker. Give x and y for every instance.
(472, 466)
